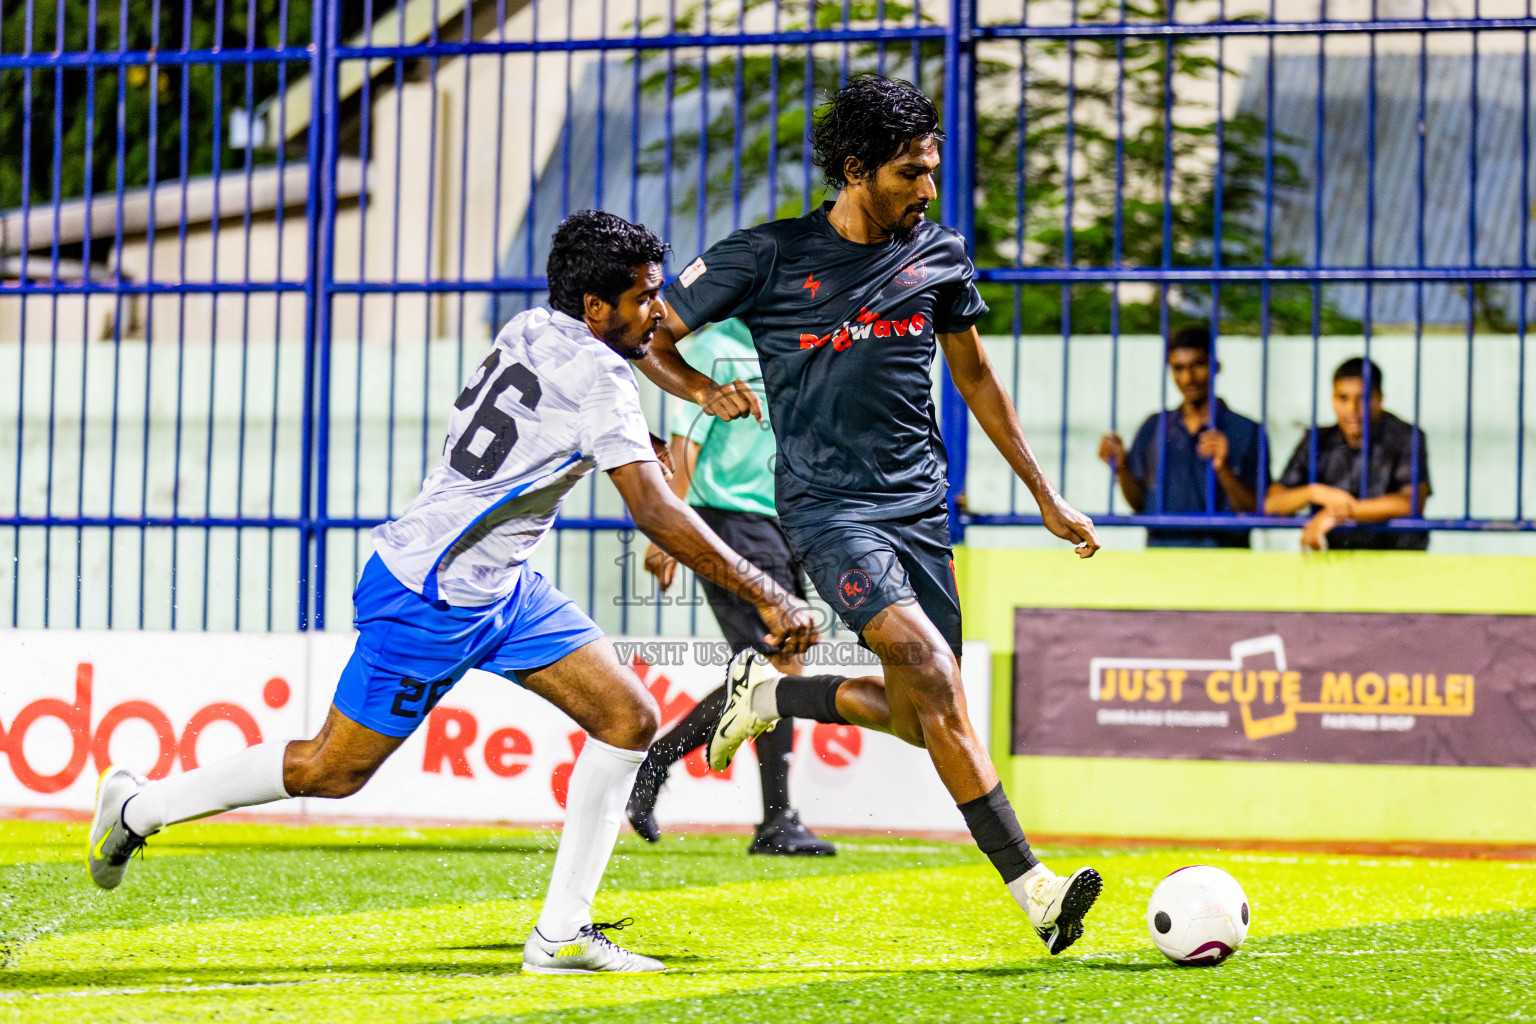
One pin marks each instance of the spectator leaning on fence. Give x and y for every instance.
(1334, 490)
(1192, 443)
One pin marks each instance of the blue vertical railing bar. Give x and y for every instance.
(1317, 236)
(314, 300)
(1167, 261)
(117, 305)
(88, 164)
(958, 204)
(1216, 255)
(1367, 320)
(1525, 261)
(21, 341)
(213, 307)
(330, 31)
(1068, 248)
(1471, 263)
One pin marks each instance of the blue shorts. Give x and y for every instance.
(410, 651)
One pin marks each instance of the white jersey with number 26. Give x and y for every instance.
(550, 403)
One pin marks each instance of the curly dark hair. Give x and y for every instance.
(596, 253)
(871, 119)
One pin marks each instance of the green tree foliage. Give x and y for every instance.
(1142, 174)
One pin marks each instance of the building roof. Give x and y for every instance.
(168, 204)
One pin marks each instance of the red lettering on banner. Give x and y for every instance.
(76, 716)
(837, 745)
(698, 768)
(882, 330)
(508, 752)
(810, 341)
(673, 708)
(445, 746)
(560, 778)
(220, 712)
(144, 712)
(841, 340)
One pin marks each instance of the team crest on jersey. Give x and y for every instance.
(692, 272)
(854, 587)
(913, 274)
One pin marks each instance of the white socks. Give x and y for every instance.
(765, 700)
(253, 776)
(594, 807)
(1019, 887)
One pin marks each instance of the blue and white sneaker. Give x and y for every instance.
(590, 952)
(112, 842)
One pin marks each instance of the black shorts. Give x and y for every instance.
(760, 541)
(860, 569)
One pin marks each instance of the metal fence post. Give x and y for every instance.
(959, 197)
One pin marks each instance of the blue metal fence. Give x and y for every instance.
(251, 249)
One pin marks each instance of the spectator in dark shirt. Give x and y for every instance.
(1334, 492)
(1192, 444)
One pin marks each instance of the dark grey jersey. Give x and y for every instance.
(846, 336)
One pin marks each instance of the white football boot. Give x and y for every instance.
(590, 952)
(1057, 904)
(738, 722)
(112, 843)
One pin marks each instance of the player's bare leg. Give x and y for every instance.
(336, 763)
(920, 700)
(620, 717)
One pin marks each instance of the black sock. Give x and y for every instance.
(812, 697)
(996, 830)
(686, 736)
(773, 750)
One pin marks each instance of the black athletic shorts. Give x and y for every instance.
(860, 569)
(761, 542)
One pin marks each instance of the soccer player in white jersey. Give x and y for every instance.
(449, 589)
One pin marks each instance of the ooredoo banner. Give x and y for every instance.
(1276, 686)
(73, 702)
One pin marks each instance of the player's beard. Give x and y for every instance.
(899, 222)
(633, 347)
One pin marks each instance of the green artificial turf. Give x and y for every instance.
(269, 923)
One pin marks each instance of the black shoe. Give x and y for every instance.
(642, 802)
(785, 836)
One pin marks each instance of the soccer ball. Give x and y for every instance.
(1198, 915)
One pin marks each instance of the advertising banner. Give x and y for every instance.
(160, 703)
(1276, 686)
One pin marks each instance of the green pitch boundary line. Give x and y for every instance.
(1351, 848)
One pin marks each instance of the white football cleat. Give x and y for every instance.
(738, 722)
(1057, 905)
(590, 952)
(111, 842)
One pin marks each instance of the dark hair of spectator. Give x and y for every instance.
(871, 119)
(596, 253)
(1354, 369)
(1195, 336)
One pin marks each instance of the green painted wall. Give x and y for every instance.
(1238, 799)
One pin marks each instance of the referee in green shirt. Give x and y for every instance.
(724, 469)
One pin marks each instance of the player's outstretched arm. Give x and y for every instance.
(668, 370)
(676, 529)
(982, 389)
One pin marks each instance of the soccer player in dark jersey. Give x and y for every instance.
(845, 306)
